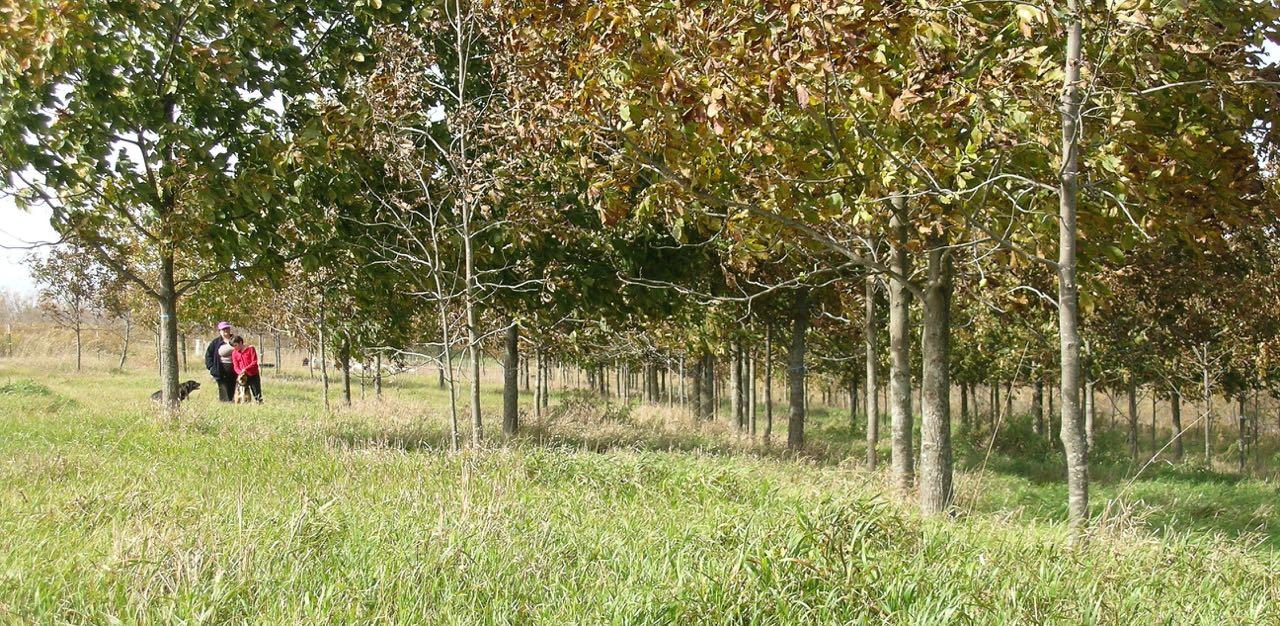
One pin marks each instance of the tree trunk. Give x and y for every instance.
(344, 358)
(324, 356)
(1073, 440)
(168, 339)
(708, 387)
(1153, 421)
(79, 345)
(698, 377)
(751, 393)
(964, 408)
(511, 382)
(1037, 407)
(936, 493)
(853, 407)
(900, 353)
(1208, 409)
(1089, 409)
(768, 383)
(1244, 441)
(1175, 411)
(545, 360)
(735, 385)
(537, 382)
(796, 370)
(124, 350)
(1133, 419)
(377, 376)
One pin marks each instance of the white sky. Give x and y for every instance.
(19, 228)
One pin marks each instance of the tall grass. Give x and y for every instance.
(286, 514)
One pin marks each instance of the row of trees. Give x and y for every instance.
(689, 188)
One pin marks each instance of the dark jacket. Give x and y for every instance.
(213, 363)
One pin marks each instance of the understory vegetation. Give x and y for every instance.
(283, 513)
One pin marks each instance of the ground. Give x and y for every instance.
(286, 514)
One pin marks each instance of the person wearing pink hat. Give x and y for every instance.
(217, 359)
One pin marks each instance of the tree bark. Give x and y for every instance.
(964, 408)
(696, 374)
(128, 331)
(735, 385)
(1133, 419)
(768, 383)
(900, 354)
(344, 358)
(1175, 411)
(752, 407)
(1037, 407)
(1073, 439)
(708, 387)
(796, 369)
(324, 356)
(936, 492)
(377, 376)
(1089, 410)
(1244, 441)
(511, 381)
(168, 339)
(1208, 409)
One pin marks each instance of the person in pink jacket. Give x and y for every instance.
(244, 360)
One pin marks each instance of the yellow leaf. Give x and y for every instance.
(802, 95)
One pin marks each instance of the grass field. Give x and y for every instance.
(285, 514)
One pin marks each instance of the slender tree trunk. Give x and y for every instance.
(751, 392)
(708, 387)
(698, 378)
(1153, 420)
(964, 408)
(768, 383)
(900, 354)
(1089, 409)
(1244, 441)
(473, 331)
(796, 369)
(1208, 409)
(1037, 407)
(377, 376)
(344, 356)
(324, 356)
(853, 407)
(1133, 419)
(545, 360)
(511, 382)
(128, 332)
(1175, 411)
(936, 493)
(79, 345)
(735, 385)
(537, 382)
(1073, 439)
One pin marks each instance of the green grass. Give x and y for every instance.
(285, 514)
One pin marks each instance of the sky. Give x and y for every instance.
(22, 228)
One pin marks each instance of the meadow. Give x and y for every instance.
(286, 514)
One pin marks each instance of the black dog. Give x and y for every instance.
(184, 390)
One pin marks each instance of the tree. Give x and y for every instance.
(71, 286)
(152, 131)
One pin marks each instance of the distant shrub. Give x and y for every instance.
(25, 388)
